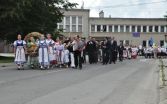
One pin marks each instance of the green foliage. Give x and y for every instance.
(25, 16)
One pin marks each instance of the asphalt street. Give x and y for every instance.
(128, 82)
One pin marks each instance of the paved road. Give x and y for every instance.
(129, 82)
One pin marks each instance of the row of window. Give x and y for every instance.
(69, 28)
(71, 24)
(72, 20)
(126, 28)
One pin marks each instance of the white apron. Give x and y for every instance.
(43, 53)
(20, 52)
(50, 43)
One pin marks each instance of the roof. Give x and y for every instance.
(119, 18)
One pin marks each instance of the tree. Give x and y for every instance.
(24, 16)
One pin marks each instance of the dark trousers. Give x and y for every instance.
(106, 57)
(96, 56)
(78, 59)
(91, 57)
(120, 56)
(110, 57)
(114, 56)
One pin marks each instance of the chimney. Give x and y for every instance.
(101, 14)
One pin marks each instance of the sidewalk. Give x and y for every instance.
(163, 89)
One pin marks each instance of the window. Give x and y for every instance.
(116, 28)
(150, 28)
(144, 43)
(92, 28)
(121, 28)
(67, 28)
(68, 20)
(144, 28)
(110, 28)
(73, 28)
(138, 28)
(156, 28)
(127, 28)
(104, 28)
(60, 26)
(74, 20)
(62, 22)
(98, 28)
(80, 20)
(133, 28)
(161, 43)
(80, 28)
(162, 28)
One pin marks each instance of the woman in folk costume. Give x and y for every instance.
(56, 51)
(43, 53)
(19, 50)
(32, 55)
(51, 44)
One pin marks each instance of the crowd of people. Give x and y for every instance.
(71, 52)
(154, 52)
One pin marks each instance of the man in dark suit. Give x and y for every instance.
(113, 50)
(120, 52)
(91, 48)
(108, 50)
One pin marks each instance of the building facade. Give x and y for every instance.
(78, 22)
(75, 22)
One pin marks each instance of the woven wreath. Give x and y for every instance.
(36, 35)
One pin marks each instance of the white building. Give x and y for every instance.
(78, 22)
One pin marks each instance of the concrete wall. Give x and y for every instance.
(127, 21)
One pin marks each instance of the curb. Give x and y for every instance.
(163, 89)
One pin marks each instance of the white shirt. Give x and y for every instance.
(19, 41)
(75, 45)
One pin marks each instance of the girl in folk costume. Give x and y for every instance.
(66, 55)
(51, 44)
(43, 53)
(59, 50)
(134, 52)
(19, 50)
(32, 56)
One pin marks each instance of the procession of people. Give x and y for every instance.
(72, 52)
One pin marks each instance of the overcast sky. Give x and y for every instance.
(120, 8)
